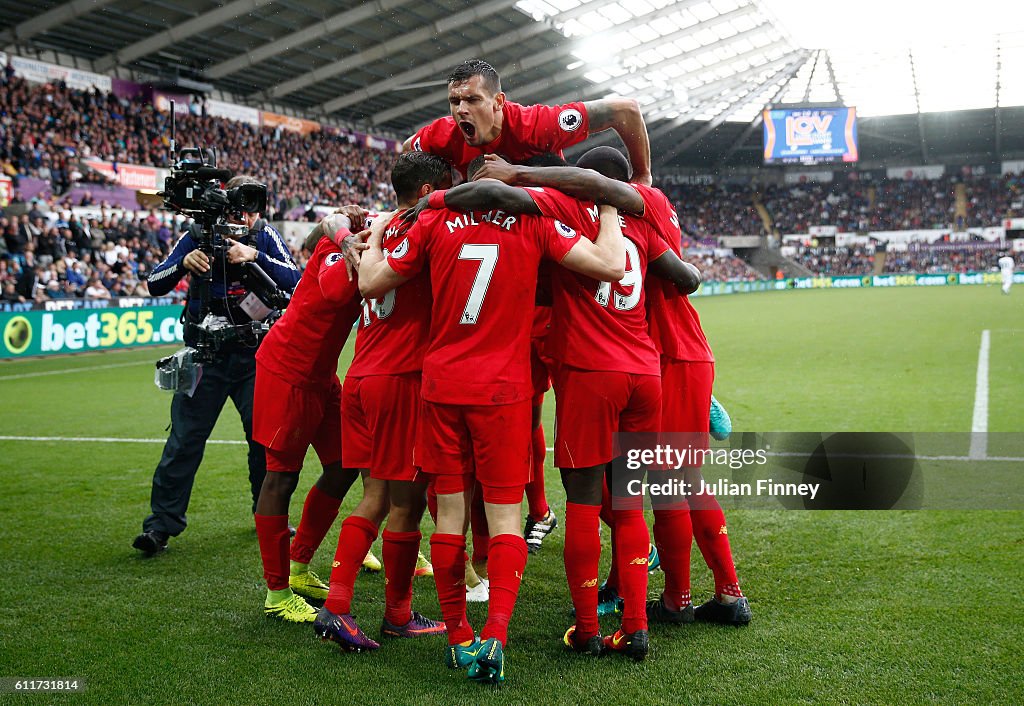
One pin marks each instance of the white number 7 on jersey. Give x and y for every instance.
(488, 257)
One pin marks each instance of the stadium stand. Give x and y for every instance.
(48, 128)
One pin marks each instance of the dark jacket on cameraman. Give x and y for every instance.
(272, 257)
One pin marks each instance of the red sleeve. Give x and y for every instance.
(406, 258)
(555, 127)
(554, 204)
(656, 245)
(332, 277)
(556, 237)
(659, 212)
(436, 138)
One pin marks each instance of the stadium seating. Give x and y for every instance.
(45, 130)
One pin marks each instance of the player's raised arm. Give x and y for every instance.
(582, 184)
(376, 276)
(623, 115)
(605, 258)
(673, 268)
(484, 195)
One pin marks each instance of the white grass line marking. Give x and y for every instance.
(22, 376)
(233, 442)
(107, 440)
(979, 425)
(784, 454)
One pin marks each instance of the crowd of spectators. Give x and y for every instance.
(47, 129)
(721, 268)
(913, 204)
(47, 255)
(991, 199)
(708, 211)
(837, 261)
(794, 208)
(919, 257)
(943, 259)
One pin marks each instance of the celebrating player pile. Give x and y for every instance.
(455, 349)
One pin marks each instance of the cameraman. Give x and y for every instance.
(231, 373)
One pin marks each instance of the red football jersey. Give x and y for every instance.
(526, 131)
(597, 325)
(394, 329)
(674, 323)
(483, 275)
(303, 346)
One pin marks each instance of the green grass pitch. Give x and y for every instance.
(849, 607)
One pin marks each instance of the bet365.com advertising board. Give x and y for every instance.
(36, 332)
(810, 135)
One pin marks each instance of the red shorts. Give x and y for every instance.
(287, 420)
(381, 413)
(686, 402)
(539, 370)
(590, 407)
(492, 442)
(686, 395)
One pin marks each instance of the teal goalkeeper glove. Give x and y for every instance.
(721, 424)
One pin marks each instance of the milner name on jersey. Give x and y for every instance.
(472, 218)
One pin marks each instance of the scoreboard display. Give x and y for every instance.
(810, 135)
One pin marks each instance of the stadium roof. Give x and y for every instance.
(696, 66)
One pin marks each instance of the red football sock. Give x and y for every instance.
(673, 534)
(272, 532)
(713, 540)
(399, 553)
(478, 525)
(357, 534)
(505, 566)
(609, 519)
(536, 498)
(633, 542)
(447, 554)
(582, 555)
(318, 514)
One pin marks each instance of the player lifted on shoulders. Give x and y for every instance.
(477, 388)
(380, 406)
(482, 121)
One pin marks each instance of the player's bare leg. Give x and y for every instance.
(480, 531)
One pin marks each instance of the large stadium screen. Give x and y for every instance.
(810, 135)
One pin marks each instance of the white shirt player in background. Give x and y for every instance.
(1006, 264)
